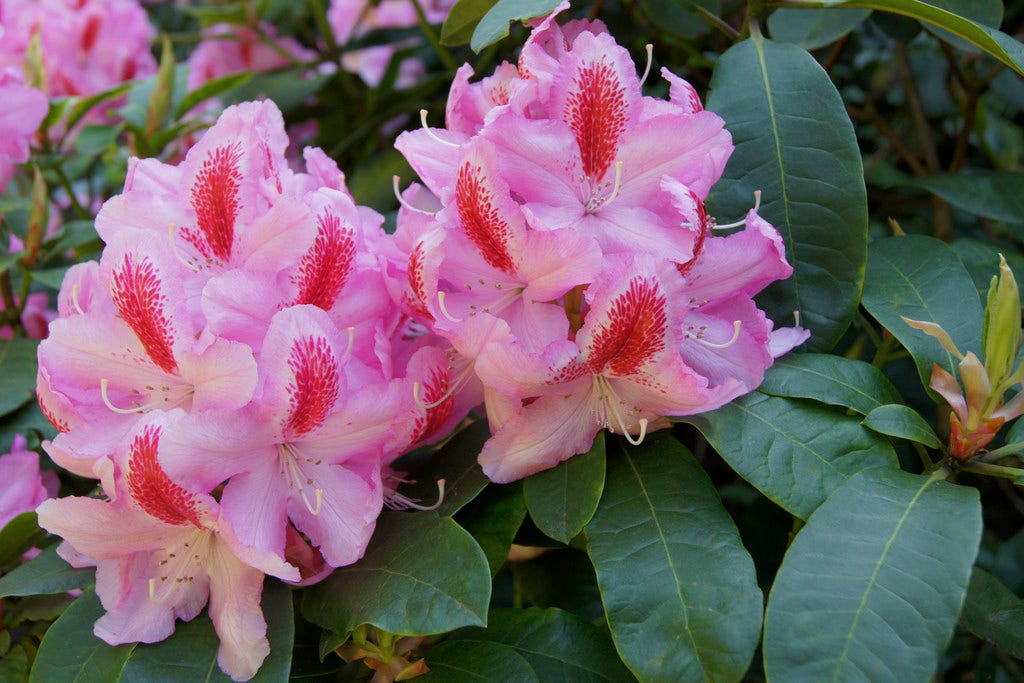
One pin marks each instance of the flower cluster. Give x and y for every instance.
(226, 371)
(24, 109)
(564, 252)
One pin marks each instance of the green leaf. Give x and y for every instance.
(456, 463)
(985, 613)
(462, 20)
(557, 645)
(493, 521)
(921, 278)
(678, 587)
(814, 28)
(70, 651)
(996, 43)
(288, 89)
(14, 664)
(494, 25)
(562, 500)
(18, 369)
(902, 422)
(981, 259)
(808, 169)
(18, 535)
(480, 662)
(51, 277)
(681, 16)
(830, 379)
(211, 88)
(871, 587)
(990, 194)
(191, 653)
(421, 574)
(82, 107)
(45, 573)
(795, 452)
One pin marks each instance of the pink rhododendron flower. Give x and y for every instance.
(24, 109)
(87, 46)
(571, 219)
(25, 484)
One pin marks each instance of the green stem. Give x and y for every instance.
(922, 453)
(882, 355)
(9, 316)
(1014, 473)
(431, 34)
(66, 184)
(1002, 452)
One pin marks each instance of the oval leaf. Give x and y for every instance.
(70, 652)
(493, 521)
(986, 610)
(795, 452)
(921, 278)
(421, 574)
(562, 500)
(456, 464)
(830, 379)
(903, 423)
(19, 535)
(871, 587)
(18, 369)
(44, 574)
(991, 194)
(814, 28)
(557, 645)
(678, 586)
(494, 25)
(476, 662)
(461, 21)
(808, 169)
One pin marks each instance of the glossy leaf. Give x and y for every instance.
(70, 651)
(494, 25)
(991, 194)
(995, 42)
(479, 662)
(903, 423)
(814, 28)
(18, 369)
(43, 574)
(494, 521)
(456, 464)
(830, 379)
(562, 500)
(922, 279)
(19, 535)
(421, 574)
(461, 21)
(795, 452)
(681, 16)
(557, 645)
(981, 259)
(987, 613)
(678, 587)
(871, 587)
(808, 169)
(562, 578)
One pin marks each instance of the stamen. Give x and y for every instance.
(647, 69)
(396, 501)
(74, 299)
(152, 591)
(618, 183)
(416, 391)
(432, 134)
(190, 264)
(444, 309)
(643, 433)
(610, 403)
(796, 318)
(351, 342)
(740, 223)
(735, 336)
(104, 383)
(167, 402)
(319, 495)
(407, 205)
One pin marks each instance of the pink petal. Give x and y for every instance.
(235, 593)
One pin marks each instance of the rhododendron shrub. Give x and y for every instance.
(569, 356)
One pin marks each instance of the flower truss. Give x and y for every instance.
(252, 352)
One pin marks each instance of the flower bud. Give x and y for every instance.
(159, 105)
(1001, 336)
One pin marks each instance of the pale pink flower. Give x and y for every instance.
(24, 109)
(25, 484)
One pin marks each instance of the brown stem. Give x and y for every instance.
(869, 114)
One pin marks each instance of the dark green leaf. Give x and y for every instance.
(984, 613)
(562, 578)
(70, 651)
(18, 369)
(795, 143)
(981, 259)
(45, 573)
(494, 520)
(562, 500)
(421, 574)
(462, 20)
(795, 452)
(37, 608)
(991, 194)
(922, 279)
(288, 89)
(14, 664)
(455, 463)
(902, 422)
(557, 645)
(51, 277)
(480, 662)
(211, 88)
(996, 43)
(681, 16)
(494, 25)
(8, 259)
(678, 587)
(830, 379)
(871, 587)
(18, 535)
(814, 28)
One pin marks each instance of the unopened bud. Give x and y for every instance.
(1001, 335)
(36, 217)
(35, 70)
(159, 105)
